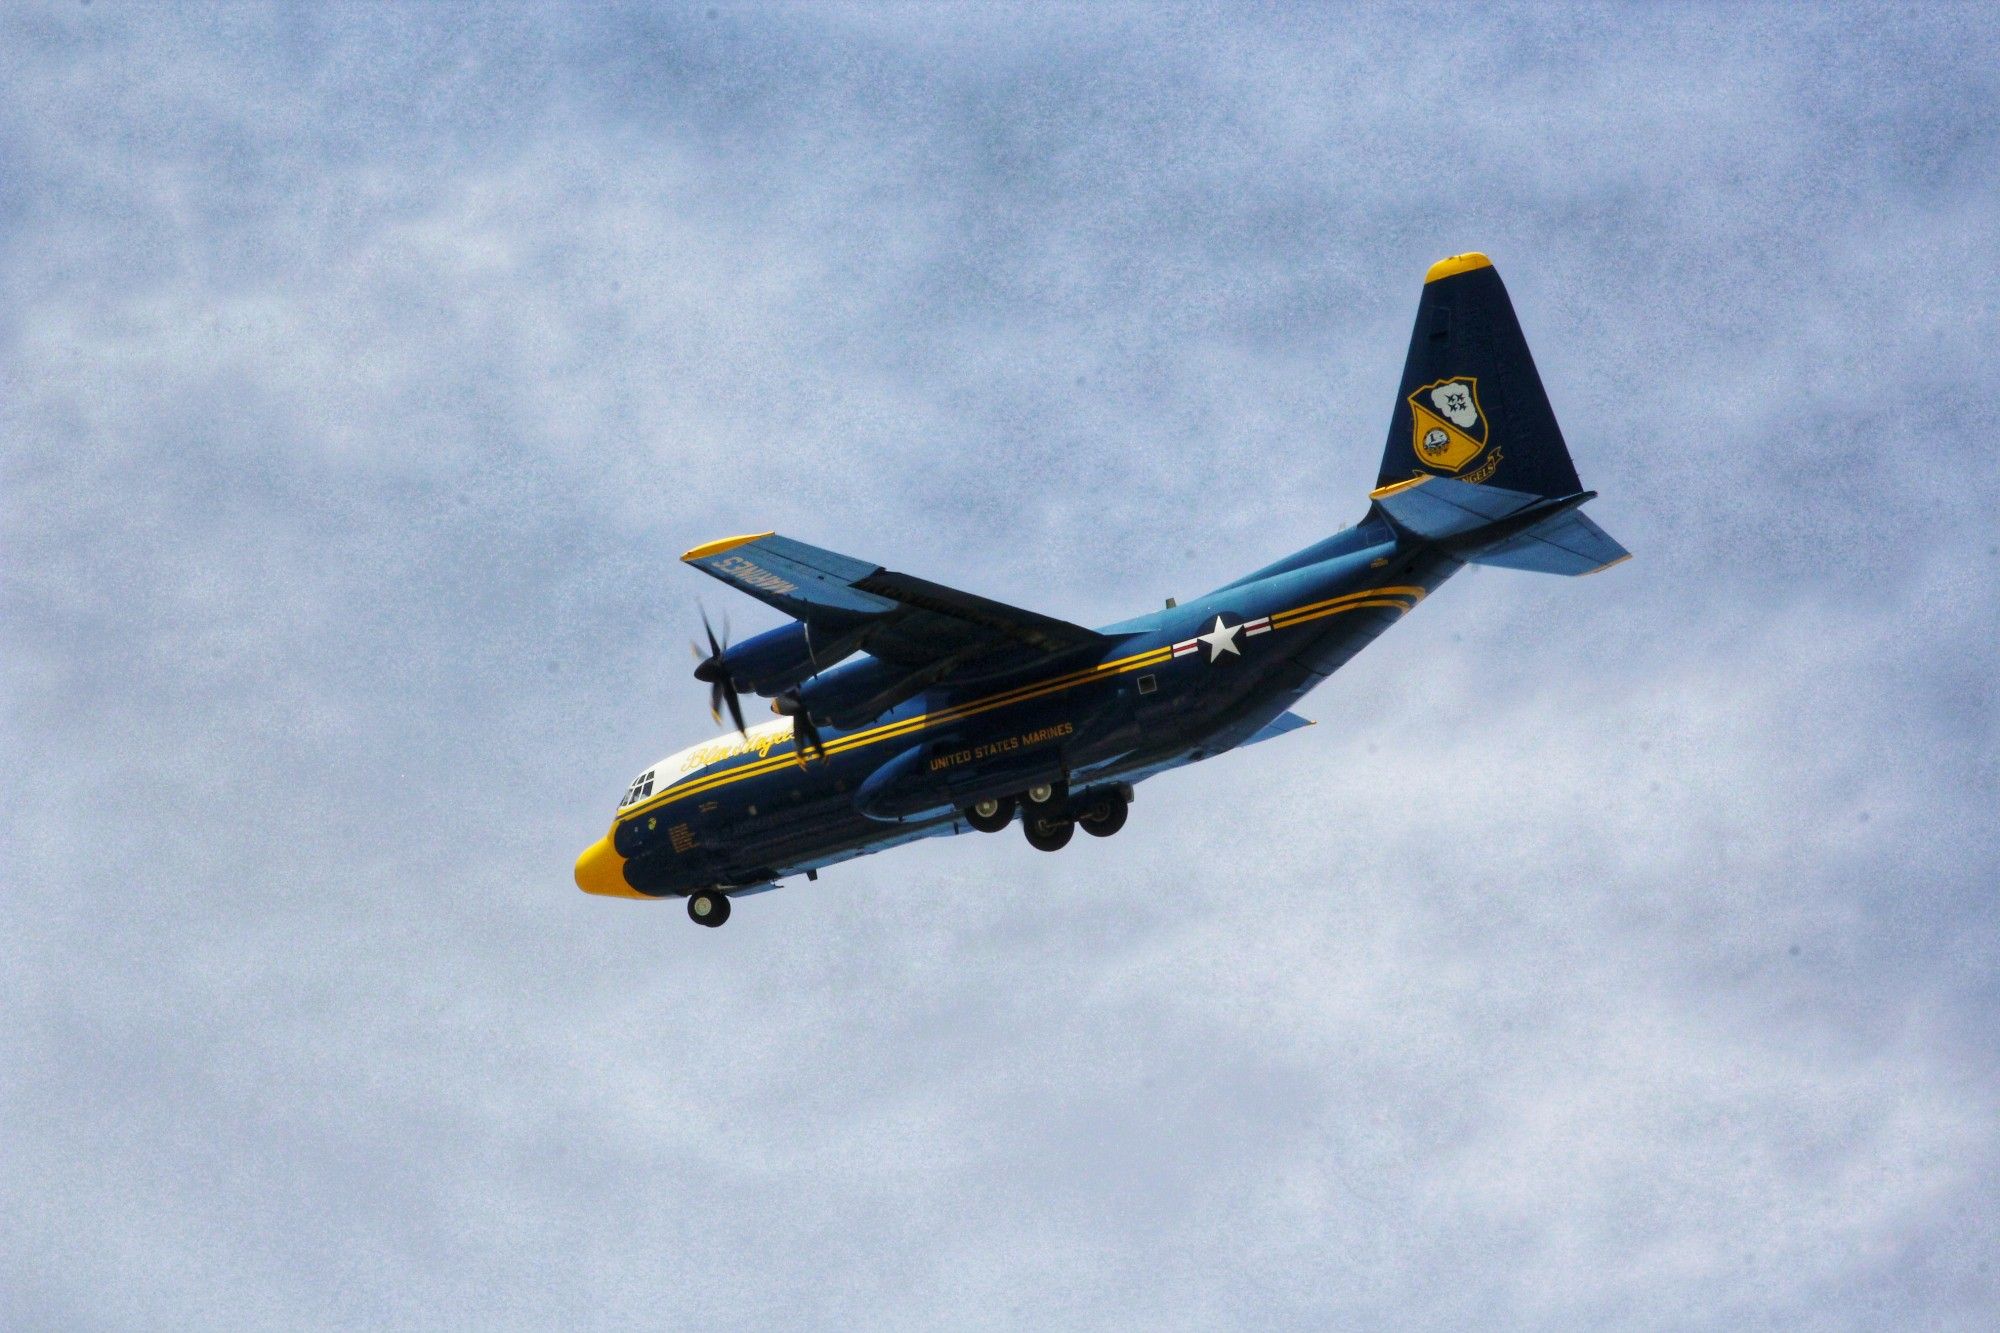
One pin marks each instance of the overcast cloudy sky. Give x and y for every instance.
(1616, 952)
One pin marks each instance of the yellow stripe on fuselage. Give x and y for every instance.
(1354, 601)
(1301, 617)
(1314, 610)
(891, 730)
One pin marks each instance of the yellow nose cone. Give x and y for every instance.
(601, 870)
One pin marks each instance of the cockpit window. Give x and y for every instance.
(642, 787)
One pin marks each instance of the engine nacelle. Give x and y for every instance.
(863, 692)
(778, 659)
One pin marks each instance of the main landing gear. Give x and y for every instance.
(1102, 812)
(706, 907)
(1046, 817)
(992, 814)
(1050, 816)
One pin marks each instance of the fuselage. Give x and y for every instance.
(1176, 686)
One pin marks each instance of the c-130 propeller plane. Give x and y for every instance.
(957, 713)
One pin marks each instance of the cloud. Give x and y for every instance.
(1613, 946)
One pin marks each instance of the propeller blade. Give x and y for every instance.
(805, 737)
(806, 741)
(721, 689)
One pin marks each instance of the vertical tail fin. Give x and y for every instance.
(1472, 406)
(1476, 463)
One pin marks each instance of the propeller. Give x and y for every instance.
(721, 689)
(805, 736)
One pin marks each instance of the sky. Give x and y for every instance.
(1616, 952)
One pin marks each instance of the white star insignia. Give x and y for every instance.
(1221, 639)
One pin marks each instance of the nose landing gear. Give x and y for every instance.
(706, 907)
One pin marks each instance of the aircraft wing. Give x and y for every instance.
(915, 621)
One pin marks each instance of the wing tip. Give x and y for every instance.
(707, 549)
(1454, 264)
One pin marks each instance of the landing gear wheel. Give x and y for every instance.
(1104, 815)
(991, 815)
(1046, 817)
(1046, 834)
(706, 907)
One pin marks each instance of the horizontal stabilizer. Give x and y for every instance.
(1568, 543)
(1487, 525)
(1439, 508)
(1278, 726)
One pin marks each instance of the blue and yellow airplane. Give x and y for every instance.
(956, 712)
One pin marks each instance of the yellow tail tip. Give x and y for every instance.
(1464, 263)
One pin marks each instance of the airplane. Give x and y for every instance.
(907, 709)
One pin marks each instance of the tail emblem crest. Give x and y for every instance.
(1447, 425)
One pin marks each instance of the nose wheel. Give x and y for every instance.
(706, 907)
